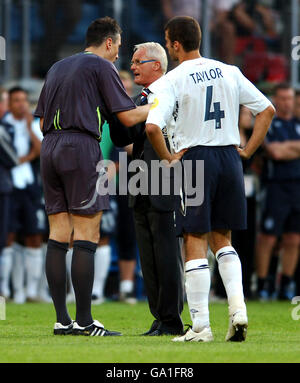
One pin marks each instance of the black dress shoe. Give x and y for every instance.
(153, 327)
(164, 330)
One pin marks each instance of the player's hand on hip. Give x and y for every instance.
(177, 156)
(243, 153)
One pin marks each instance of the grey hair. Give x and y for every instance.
(156, 51)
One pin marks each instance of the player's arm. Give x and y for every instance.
(134, 116)
(284, 151)
(35, 142)
(160, 114)
(158, 142)
(260, 107)
(262, 123)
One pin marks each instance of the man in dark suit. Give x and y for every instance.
(160, 255)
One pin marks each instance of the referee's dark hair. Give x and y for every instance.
(186, 30)
(100, 30)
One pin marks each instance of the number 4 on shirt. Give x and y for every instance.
(217, 114)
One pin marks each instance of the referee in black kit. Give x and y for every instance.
(79, 94)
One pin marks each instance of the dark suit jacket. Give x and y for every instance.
(142, 149)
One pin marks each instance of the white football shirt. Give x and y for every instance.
(198, 102)
(22, 175)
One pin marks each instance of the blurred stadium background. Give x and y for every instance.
(262, 49)
(255, 35)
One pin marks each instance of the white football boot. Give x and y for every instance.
(204, 335)
(238, 324)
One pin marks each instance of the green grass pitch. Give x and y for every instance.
(26, 336)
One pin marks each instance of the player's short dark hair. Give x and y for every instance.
(16, 89)
(281, 86)
(186, 30)
(101, 29)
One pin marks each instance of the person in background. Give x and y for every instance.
(281, 213)
(223, 29)
(297, 271)
(172, 8)
(65, 14)
(297, 105)
(27, 217)
(8, 159)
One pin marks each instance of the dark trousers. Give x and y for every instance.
(125, 234)
(161, 262)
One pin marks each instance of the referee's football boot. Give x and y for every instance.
(60, 329)
(94, 329)
(238, 324)
(205, 335)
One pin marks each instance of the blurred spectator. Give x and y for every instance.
(8, 159)
(297, 272)
(59, 18)
(127, 80)
(223, 28)
(255, 17)
(172, 8)
(297, 105)
(248, 34)
(146, 24)
(281, 213)
(27, 217)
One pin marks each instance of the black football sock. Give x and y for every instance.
(272, 275)
(82, 272)
(284, 285)
(56, 274)
(261, 284)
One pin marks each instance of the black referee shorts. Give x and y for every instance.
(69, 174)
